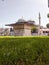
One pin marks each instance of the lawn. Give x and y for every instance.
(16, 50)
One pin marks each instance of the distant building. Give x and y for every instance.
(1, 31)
(22, 27)
(4, 32)
(43, 31)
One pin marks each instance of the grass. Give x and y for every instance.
(24, 36)
(16, 50)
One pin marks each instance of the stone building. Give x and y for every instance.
(22, 27)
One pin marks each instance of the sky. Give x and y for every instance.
(12, 10)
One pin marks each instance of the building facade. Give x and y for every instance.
(22, 27)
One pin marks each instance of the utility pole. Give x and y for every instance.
(39, 24)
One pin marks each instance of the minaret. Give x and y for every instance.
(39, 24)
(48, 3)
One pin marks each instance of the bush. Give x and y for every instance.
(34, 29)
(24, 51)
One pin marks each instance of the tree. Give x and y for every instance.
(47, 25)
(34, 29)
(48, 15)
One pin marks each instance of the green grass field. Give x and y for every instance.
(24, 50)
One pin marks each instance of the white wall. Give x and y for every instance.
(27, 32)
(19, 32)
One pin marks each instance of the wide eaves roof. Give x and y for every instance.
(22, 21)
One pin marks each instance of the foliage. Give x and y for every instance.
(34, 29)
(48, 15)
(24, 50)
(47, 25)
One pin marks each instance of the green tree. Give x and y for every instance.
(34, 29)
(47, 25)
(48, 15)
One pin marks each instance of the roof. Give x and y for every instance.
(22, 21)
(46, 29)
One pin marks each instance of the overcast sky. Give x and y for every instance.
(12, 10)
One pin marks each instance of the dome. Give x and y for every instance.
(30, 21)
(21, 20)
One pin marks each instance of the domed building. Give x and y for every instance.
(22, 27)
